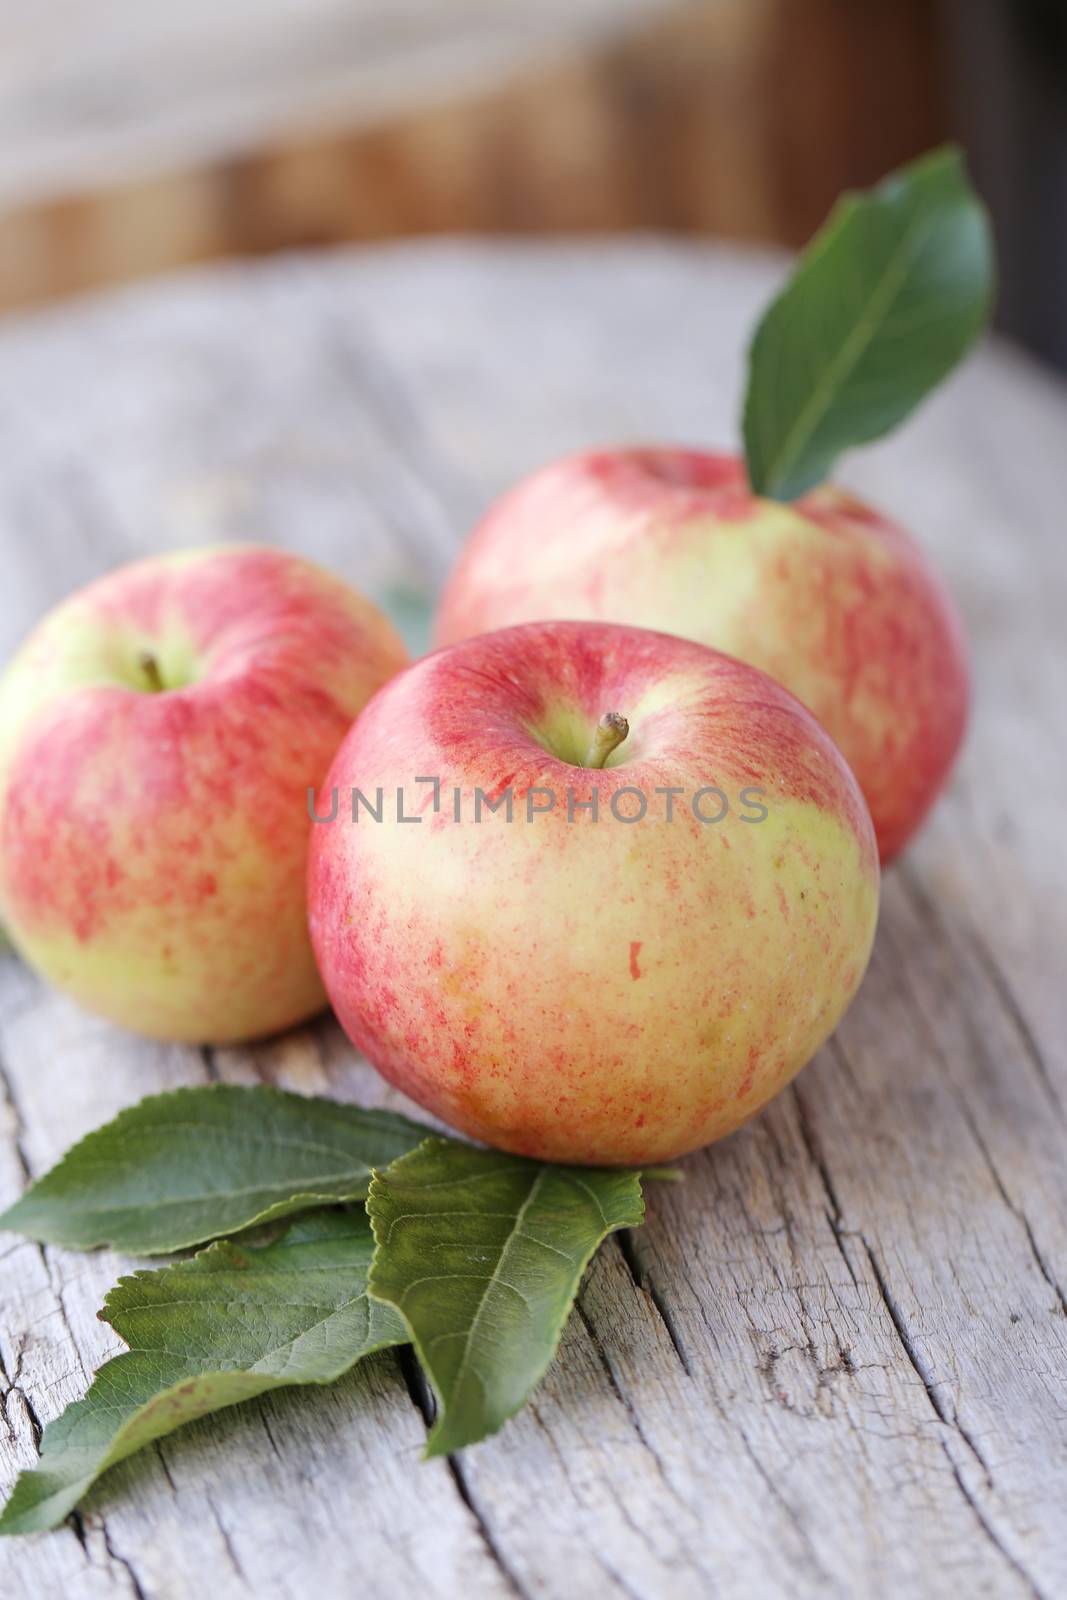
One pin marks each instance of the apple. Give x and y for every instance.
(825, 594)
(619, 985)
(159, 732)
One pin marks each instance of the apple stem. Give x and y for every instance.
(150, 667)
(611, 730)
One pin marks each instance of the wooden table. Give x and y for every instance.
(833, 1362)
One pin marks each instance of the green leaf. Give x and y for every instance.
(482, 1255)
(194, 1164)
(226, 1326)
(887, 298)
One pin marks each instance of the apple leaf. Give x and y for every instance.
(207, 1333)
(179, 1168)
(888, 297)
(482, 1254)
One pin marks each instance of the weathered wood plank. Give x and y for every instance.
(833, 1361)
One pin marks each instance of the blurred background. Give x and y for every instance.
(135, 138)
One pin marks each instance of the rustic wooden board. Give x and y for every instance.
(833, 1361)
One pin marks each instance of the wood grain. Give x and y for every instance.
(833, 1361)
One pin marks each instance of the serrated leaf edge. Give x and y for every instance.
(300, 1200)
(431, 1450)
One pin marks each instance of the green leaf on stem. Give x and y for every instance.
(207, 1333)
(482, 1254)
(888, 297)
(179, 1168)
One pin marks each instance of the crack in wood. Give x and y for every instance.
(416, 1384)
(646, 1285)
(227, 1543)
(165, 1465)
(136, 1587)
(911, 1350)
(990, 1532)
(423, 1399)
(209, 1062)
(13, 1387)
(264, 1417)
(617, 1390)
(463, 1489)
(951, 1421)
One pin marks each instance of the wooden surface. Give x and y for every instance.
(135, 139)
(833, 1362)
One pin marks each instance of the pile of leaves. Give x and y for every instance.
(471, 1256)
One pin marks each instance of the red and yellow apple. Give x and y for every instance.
(159, 732)
(621, 985)
(825, 595)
